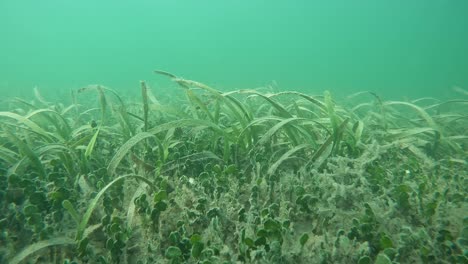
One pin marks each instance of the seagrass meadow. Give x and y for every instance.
(244, 176)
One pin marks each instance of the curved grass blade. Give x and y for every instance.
(311, 99)
(69, 207)
(446, 102)
(64, 130)
(124, 149)
(23, 120)
(195, 100)
(282, 111)
(65, 154)
(31, 249)
(419, 110)
(255, 122)
(28, 152)
(266, 137)
(286, 156)
(185, 123)
(330, 107)
(165, 73)
(327, 147)
(80, 232)
(8, 155)
(400, 133)
(131, 207)
(196, 157)
(92, 142)
(144, 95)
(102, 97)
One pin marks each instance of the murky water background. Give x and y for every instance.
(395, 48)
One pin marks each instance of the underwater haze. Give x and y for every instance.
(397, 49)
(157, 132)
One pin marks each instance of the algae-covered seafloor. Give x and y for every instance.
(247, 176)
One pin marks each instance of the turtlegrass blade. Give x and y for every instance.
(80, 232)
(255, 122)
(39, 97)
(28, 152)
(103, 102)
(330, 107)
(186, 123)
(165, 73)
(102, 97)
(286, 156)
(63, 130)
(327, 147)
(69, 207)
(144, 95)
(30, 124)
(266, 137)
(196, 157)
(189, 83)
(66, 155)
(23, 102)
(124, 149)
(311, 99)
(92, 142)
(31, 249)
(282, 111)
(338, 134)
(239, 111)
(400, 133)
(195, 100)
(8, 155)
(358, 127)
(17, 167)
(419, 110)
(446, 102)
(424, 115)
(131, 207)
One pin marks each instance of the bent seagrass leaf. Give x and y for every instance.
(403, 133)
(8, 155)
(196, 157)
(23, 102)
(31, 249)
(26, 151)
(255, 122)
(30, 124)
(327, 147)
(330, 110)
(282, 111)
(165, 73)
(80, 231)
(186, 123)
(286, 156)
(66, 155)
(419, 110)
(64, 130)
(132, 206)
(266, 137)
(446, 102)
(197, 102)
(144, 95)
(309, 98)
(125, 148)
(71, 210)
(92, 142)
(358, 127)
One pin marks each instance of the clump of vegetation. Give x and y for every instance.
(233, 177)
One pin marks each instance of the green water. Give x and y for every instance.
(119, 173)
(395, 48)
